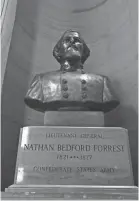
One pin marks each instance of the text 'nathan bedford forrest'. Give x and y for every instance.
(74, 147)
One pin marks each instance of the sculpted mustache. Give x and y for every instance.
(72, 45)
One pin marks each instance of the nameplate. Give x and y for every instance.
(73, 156)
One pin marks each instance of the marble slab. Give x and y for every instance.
(44, 192)
(73, 156)
(74, 118)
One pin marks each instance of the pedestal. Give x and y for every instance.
(73, 162)
(74, 118)
(73, 156)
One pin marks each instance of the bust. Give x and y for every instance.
(71, 88)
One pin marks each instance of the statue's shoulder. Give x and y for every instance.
(48, 75)
(97, 76)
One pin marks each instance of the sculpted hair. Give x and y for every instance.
(57, 49)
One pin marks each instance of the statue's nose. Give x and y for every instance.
(72, 39)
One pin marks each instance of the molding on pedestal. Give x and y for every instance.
(42, 192)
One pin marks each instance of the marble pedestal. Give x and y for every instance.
(74, 118)
(73, 162)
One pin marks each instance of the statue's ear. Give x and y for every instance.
(56, 51)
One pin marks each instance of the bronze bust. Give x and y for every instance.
(70, 88)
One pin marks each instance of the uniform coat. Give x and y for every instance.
(56, 90)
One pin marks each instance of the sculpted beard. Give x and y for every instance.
(72, 52)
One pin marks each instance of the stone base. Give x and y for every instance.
(100, 170)
(74, 118)
(43, 192)
(55, 155)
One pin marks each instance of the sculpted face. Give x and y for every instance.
(72, 46)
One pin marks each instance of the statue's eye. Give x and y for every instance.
(76, 39)
(67, 39)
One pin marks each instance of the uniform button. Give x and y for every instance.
(84, 95)
(84, 88)
(83, 81)
(65, 88)
(65, 95)
(64, 81)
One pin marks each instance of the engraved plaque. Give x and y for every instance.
(73, 156)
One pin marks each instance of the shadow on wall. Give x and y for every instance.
(15, 85)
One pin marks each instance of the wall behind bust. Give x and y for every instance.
(8, 10)
(15, 85)
(111, 34)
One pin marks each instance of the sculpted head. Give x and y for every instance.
(71, 46)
